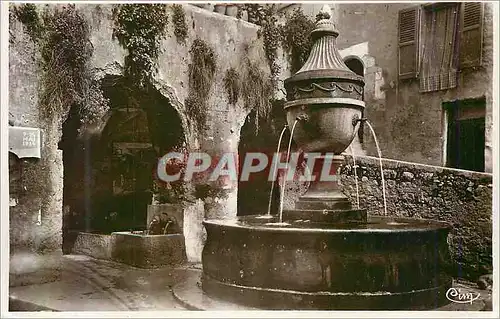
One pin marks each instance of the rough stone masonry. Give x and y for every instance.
(461, 198)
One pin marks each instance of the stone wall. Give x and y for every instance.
(232, 40)
(35, 212)
(461, 198)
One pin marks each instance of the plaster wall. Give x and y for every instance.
(35, 205)
(232, 41)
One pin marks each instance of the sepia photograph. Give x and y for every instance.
(239, 158)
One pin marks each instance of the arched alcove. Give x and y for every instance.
(357, 66)
(110, 174)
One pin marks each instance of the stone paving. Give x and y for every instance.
(87, 284)
(82, 283)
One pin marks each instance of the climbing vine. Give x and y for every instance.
(232, 85)
(265, 16)
(296, 40)
(257, 90)
(201, 78)
(179, 21)
(27, 14)
(68, 80)
(293, 36)
(270, 33)
(139, 28)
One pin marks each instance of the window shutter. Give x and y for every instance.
(471, 34)
(408, 30)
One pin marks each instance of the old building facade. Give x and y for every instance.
(417, 115)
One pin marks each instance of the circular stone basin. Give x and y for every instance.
(384, 264)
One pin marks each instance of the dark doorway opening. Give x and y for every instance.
(356, 66)
(466, 134)
(253, 195)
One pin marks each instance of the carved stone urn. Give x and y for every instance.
(325, 99)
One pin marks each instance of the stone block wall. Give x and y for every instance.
(461, 198)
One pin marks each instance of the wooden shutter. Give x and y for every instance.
(408, 31)
(471, 34)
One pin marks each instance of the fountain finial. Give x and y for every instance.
(324, 61)
(325, 13)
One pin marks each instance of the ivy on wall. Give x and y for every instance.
(62, 36)
(201, 73)
(265, 16)
(232, 85)
(68, 79)
(140, 28)
(257, 91)
(293, 36)
(270, 33)
(179, 21)
(296, 40)
(27, 14)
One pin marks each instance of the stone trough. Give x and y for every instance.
(135, 249)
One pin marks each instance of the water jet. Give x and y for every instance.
(325, 254)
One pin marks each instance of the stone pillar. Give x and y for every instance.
(221, 201)
(214, 199)
(36, 215)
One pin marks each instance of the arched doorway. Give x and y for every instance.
(109, 175)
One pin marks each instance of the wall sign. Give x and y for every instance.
(25, 141)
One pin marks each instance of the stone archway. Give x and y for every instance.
(109, 179)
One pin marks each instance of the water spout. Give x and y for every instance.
(286, 172)
(381, 168)
(154, 221)
(166, 227)
(355, 174)
(275, 165)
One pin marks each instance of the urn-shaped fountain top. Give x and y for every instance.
(324, 66)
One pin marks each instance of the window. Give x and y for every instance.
(438, 40)
(408, 42)
(465, 136)
(439, 47)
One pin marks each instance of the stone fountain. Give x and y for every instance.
(327, 255)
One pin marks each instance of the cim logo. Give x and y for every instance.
(455, 295)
